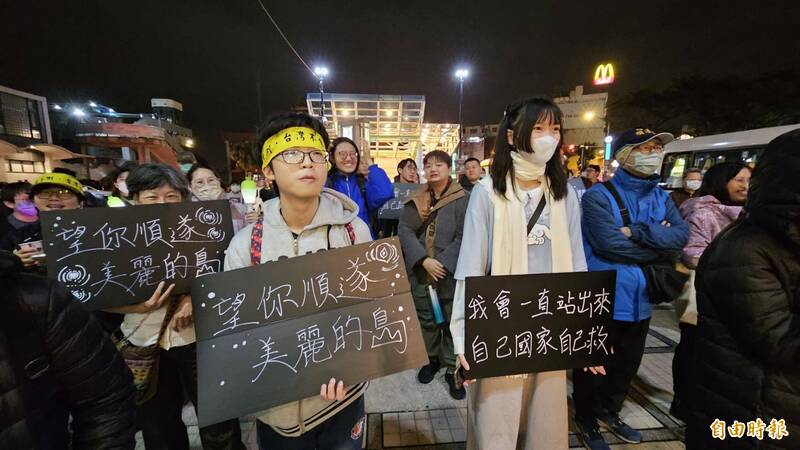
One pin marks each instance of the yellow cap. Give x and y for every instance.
(58, 179)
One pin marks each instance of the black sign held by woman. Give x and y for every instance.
(519, 324)
(273, 333)
(111, 257)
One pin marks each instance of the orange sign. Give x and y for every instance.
(604, 74)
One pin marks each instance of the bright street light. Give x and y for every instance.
(77, 112)
(608, 139)
(92, 104)
(321, 71)
(462, 74)
(588, 115)
(56, 107)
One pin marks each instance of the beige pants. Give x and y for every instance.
(516, 413)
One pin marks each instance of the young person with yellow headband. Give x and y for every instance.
(305, 218)
(523, 411)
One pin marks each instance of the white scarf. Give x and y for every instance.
(510, 238)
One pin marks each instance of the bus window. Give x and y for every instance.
(673, 168)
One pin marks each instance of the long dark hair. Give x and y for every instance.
(520, 118)
(715, 181)
(332, 156)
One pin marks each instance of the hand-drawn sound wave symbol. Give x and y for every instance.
(208, 217)
(386, 254)
(74, 277)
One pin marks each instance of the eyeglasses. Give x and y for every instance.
(297, 157)
(653, 148)
(61, 194)
(346, 155)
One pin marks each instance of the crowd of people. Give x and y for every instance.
(725, 248)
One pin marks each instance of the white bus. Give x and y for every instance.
(705, 151)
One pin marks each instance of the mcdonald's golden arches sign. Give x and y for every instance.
(604, 74)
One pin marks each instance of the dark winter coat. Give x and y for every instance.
(56, 361)
(748, 298)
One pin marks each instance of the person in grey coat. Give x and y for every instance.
(431, 224)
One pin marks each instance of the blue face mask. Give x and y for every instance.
(185, 168)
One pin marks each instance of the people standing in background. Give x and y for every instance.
(407, 172)
(431, 224)
(359, 178)
(204, 184)
(653, 232)
(472, 174)
(16, 197)
(691, 182)
(717, 203)
(119, 186)
(527, 411)
(747, 364)
(588, 178)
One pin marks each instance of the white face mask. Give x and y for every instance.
(543, 149)
(209, 193)
(235, 188)
(122, 187)
(647, 164)
(693, 184)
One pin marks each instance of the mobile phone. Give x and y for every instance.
(32, 245)
(41, 257)
(460, 376)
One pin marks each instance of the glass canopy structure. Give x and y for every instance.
(392, 125)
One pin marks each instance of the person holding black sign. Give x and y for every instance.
(166, 320)
(527, 184)
(632, 226)
(305, 218)
(430, 230)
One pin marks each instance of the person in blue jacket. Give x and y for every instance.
(656, 228)
(360, 179)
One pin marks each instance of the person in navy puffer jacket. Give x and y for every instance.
(361, 180)
(656, 231)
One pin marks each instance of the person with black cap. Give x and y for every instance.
(628, 223)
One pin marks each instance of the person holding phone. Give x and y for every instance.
(50, 192)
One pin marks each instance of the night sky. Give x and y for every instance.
(209, 54)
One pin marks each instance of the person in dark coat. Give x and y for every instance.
(56, 362)
(747, 367)
(431, 225)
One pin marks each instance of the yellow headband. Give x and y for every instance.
(290, 138)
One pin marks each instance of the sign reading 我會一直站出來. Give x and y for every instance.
(111, 257)
(273, 333)
(520, 324)
(402, 192)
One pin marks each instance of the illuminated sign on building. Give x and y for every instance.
(604, 74)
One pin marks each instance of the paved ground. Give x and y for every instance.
(405, 414)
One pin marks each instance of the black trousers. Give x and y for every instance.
(160, 417)
(682, 363)
(594, 395)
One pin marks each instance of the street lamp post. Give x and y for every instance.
(462, 75)
(321, 72)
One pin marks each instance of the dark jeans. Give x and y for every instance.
(344, 431)
(682, 364)
(594, 395)
(160, 417)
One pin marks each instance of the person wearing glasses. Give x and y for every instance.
(50, 192)
(359, 178)
(305, 218)
(627, 222)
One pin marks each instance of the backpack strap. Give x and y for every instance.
(351, 233)
(255, 241)
(626, 215)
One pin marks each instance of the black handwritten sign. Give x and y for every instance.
(273, 333)
(402, 192)
(116, 256)
(536, 323)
